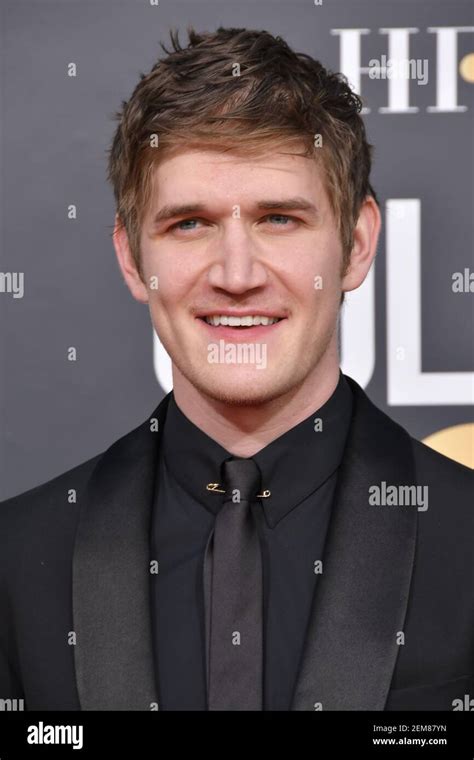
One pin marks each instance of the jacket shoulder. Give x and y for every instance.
(54, 491)
(438, 467)
(45, 493)
(450, 487)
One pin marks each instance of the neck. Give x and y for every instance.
(244, 430)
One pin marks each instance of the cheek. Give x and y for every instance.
(314, 277)
(167, 280)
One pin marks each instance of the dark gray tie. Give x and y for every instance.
(234, 595)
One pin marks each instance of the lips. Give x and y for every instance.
(242, 313)
(223, 320)
(255, 331)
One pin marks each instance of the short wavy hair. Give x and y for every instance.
(239, 90)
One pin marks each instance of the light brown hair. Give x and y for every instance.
(240, 90)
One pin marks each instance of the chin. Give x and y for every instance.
(245, 391)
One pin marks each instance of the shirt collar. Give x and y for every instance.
(293, 466)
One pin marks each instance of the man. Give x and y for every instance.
(268, 539)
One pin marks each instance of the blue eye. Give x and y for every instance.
(184, 221)
(280, 217)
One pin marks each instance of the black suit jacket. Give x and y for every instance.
(75, 620)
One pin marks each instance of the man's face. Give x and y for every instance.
(240, 254)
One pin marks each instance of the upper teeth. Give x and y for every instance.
(247, 321)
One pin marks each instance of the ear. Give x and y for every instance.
(127, 263)
(366, 234)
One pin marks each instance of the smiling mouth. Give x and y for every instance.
(240, 323)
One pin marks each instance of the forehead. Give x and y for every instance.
(205, 175)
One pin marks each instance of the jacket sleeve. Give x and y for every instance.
(10, 685)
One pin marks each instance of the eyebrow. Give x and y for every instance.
(288, 204)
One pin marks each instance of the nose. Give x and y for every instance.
(237, 267)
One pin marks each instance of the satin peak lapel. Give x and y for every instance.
(361, 598)
(111, 604)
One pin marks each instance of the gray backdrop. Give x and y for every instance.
(55, 131)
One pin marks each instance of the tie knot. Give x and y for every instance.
(242, 475)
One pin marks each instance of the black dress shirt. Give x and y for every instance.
(300, 469)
